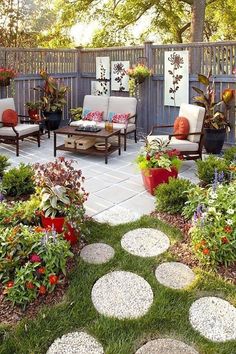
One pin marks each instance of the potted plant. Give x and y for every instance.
(33, 109)
(52, 99)
(137, 75)
(62, 197)
(158, 164)
(6, 75)
(215, 121)
(76, 113)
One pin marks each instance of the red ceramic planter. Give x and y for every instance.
(71, 235)
(155, 176)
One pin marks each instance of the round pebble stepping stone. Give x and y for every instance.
(174, 275)
(97, 253)
(145, 242)
(76, 343)
(214, 318)
(122, 295)
(166, 346)
(117, 215)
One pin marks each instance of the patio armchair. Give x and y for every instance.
(14, 133)
(190, 148)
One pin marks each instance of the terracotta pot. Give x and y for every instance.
(58, 222)
(154, 176)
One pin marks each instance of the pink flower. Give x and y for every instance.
(34, 258)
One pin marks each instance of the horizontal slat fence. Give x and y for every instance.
(76, 68)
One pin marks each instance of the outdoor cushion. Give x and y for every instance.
(96, 103)
(6, 103)
(181, 126)
(22, 129)
(195, 116)
(95, 116)
(123, 105)
(181, 145)
(119, 117)
(9, 118)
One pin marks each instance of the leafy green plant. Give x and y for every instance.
(19, 181)
(54, 200)
(230, 154)
(156, 154)
(213, 234)
(34, 105)
(171, 197)
(206, 169)
(4, 163)
(195, 196)
(31, 262)
(76, 113)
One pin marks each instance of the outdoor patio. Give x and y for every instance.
(116, 187)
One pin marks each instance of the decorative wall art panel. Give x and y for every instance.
(119, 78)
(100, 88)
(103, 68)
(176, 88)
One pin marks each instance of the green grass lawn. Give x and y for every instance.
(167, 317)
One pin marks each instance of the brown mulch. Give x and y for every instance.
(183, 251)
(10, 314)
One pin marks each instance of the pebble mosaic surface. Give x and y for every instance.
(145, 242)
(117, 215)
(214, 318)
(122, 295)
(174, 275)
(166, 346)
(76, 343)
(97, 253)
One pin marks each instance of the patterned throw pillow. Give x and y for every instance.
(96, 116)
(9, 118)
(121, 118)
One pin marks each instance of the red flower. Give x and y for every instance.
(10, 284)
(148, 157)
(228, 229)
(53, 279)
(42, 290)
(224, 240)
(203, 242)
(41, 270)
(29, 285)
(34, 258)
(206, 251)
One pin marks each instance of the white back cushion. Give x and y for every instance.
(96, 103)
(122, 105)
(6, 103)
(195, 116)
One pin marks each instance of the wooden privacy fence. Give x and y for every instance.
(76, 68)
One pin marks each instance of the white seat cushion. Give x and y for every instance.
(195, 116)
(6, 103)
(22, 129)
(122, 105)
(181, 145)
(96, 103)
(130, 127)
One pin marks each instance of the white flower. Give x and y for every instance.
(230, 211)
(220, 186)
(213, 195)
(212, 210)
(210, 201)
(229, 222)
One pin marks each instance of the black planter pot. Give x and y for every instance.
(53, 119)
(214, 140)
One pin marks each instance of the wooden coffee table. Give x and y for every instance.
(104, 134)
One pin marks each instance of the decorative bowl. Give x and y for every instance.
(101, 146)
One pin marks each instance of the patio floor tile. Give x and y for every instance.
(116, 194)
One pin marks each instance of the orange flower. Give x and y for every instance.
(228, 229)
(203, 242)
(206, 251)
(42, 290)
(41, 270)
(29, 285)
(10, 284)
(197, 246)
(39, 229)
(53, 279)
(224, 240)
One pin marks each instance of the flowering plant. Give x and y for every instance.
(32, 261)
(157, 154)
(137, 75)
(213, 234)
(7, 73)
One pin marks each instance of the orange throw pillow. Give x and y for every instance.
(9, 118)
(181, 126)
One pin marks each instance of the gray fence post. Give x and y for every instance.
(148, 53)
(79, 77)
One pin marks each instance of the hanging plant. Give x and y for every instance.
(137, 75)
(6, 75)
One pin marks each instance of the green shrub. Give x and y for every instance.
(206, 169)
(18, 181)
(195, 196)
(230, 154)
(4, 163)
(171, 197)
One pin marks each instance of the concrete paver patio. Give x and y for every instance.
(117, 183)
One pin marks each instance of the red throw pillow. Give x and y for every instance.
(181, 126)
(121, 118)
(9, 118)
(96, 116)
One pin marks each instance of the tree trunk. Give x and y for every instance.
(197, 22)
